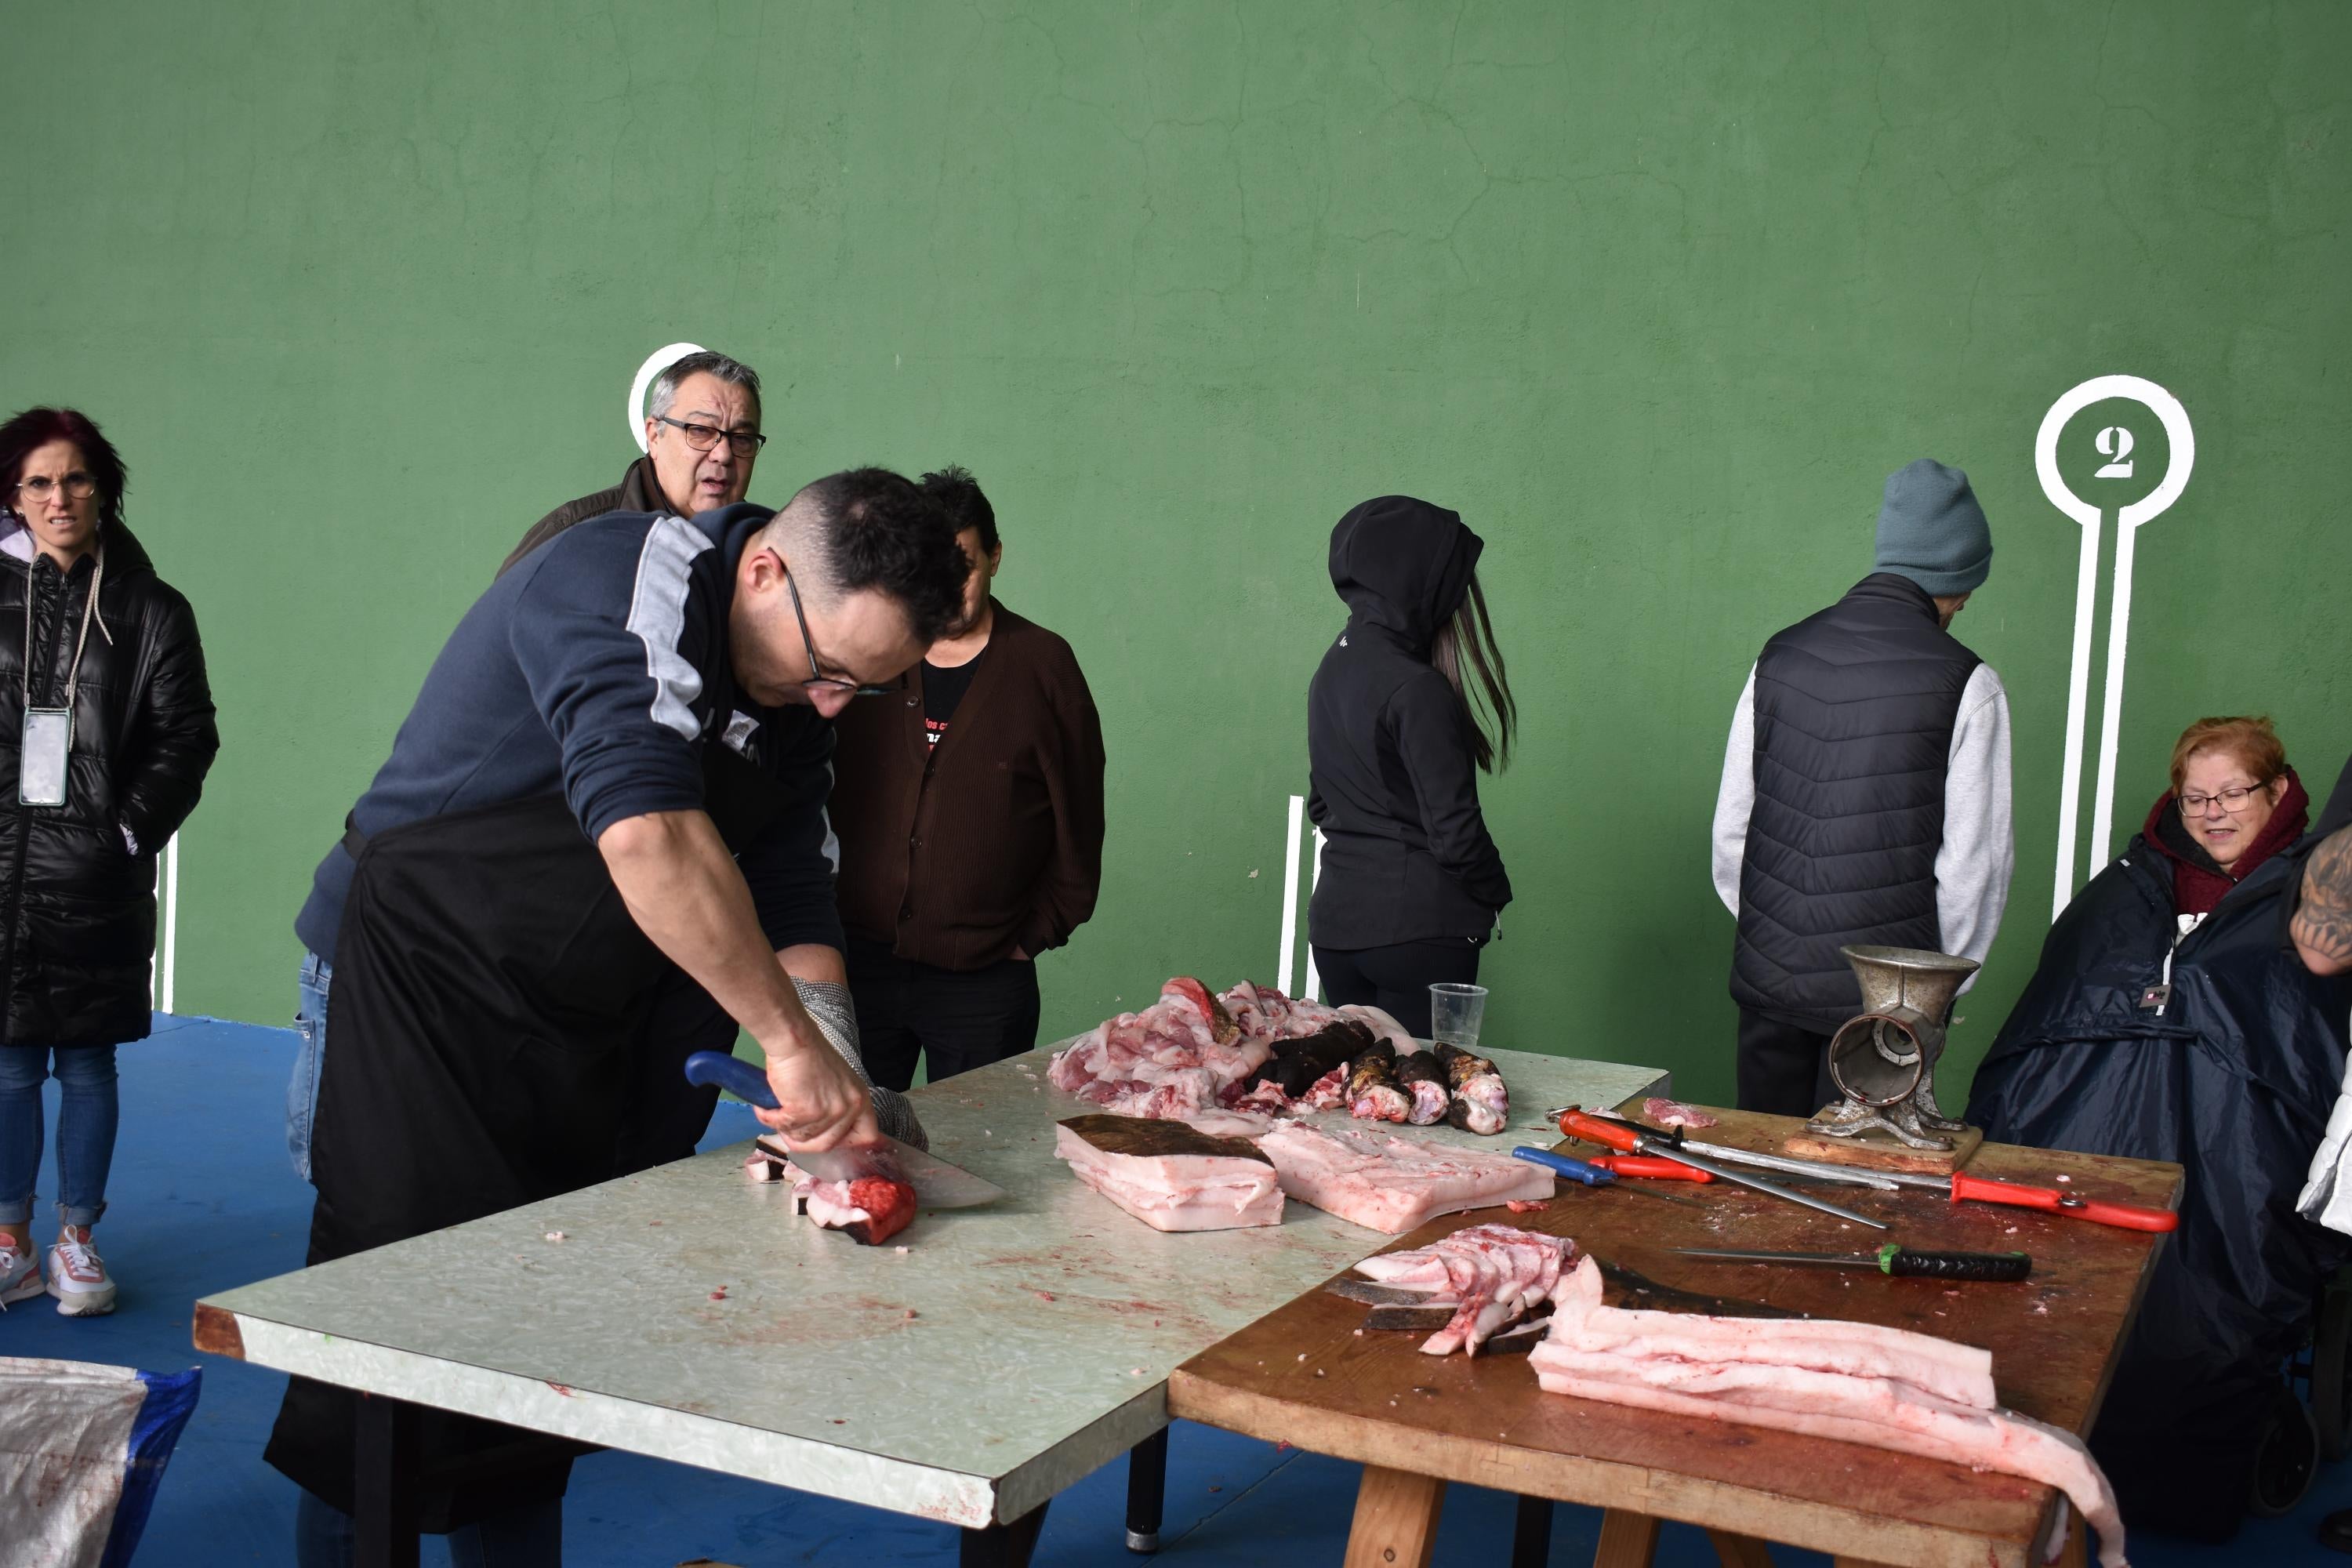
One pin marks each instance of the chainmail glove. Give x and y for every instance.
(836, 1018)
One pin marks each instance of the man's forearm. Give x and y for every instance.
(815, 963)
(2322, 921)
(684, 891)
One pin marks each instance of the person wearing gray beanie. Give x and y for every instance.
(1884, 746)
(1931, 529)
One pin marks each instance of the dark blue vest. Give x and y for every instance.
(1854, 710)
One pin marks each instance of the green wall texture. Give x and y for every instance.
(1653, 294)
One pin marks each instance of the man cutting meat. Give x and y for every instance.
(591, 794)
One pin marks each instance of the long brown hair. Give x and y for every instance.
(1493, 716)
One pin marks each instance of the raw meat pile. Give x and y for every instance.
(1491, 1275)
(1884, 1387)
(1178, 1056)
(1225, 1062)
(1170, 1175)
(1389, 1183)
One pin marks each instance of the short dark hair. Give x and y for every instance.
(879, 530)
(960, 497)
(36, 427)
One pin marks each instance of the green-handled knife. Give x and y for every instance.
(1999, 1267)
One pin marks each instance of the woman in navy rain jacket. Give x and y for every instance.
(2168, 1021)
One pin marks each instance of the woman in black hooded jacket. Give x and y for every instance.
(1411, 880)
(93, 783)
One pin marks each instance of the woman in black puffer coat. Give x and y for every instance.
(86, 627)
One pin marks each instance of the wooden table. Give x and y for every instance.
(990, 1358)
(1417, 1422)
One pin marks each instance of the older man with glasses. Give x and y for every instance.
(702, 438)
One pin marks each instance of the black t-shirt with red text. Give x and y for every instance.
(943, 692)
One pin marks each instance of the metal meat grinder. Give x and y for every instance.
(1883, 1059)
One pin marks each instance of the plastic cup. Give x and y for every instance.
(1455, 1011)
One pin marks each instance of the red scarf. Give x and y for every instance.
(2197, 884)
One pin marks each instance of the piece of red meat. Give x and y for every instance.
(889, 1208)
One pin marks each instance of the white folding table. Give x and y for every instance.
(966, 1372)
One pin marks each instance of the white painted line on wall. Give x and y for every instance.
(171, 878)
(1297, 815)
(2181, 463)
(1314, 982)
(655, 363)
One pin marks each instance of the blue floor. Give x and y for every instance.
(203, 1199)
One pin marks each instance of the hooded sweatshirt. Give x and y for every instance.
(1391, 744)
(2198, 883)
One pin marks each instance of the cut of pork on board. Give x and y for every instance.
(1860, 1382)
(1170, 1175)
(1391, 1183)
(1490, 1275)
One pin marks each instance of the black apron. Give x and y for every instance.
(488, 1036)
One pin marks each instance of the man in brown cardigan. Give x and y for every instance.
(968, 800)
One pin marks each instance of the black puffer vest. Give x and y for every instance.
(1854, 711)
(77, 906)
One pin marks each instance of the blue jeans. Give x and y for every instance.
(89, 1110)
(528, 1537)
(311, 982)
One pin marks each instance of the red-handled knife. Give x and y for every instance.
(1650, 1167)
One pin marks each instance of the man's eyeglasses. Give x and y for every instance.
(702, 438)
(817, 685)
(77, 486)
(2232, 800)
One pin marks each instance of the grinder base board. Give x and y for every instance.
(1877, 1152)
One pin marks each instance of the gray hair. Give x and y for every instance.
(733, 372)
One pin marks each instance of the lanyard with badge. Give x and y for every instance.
(49, 731)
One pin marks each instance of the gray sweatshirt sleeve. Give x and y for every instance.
(1736, 795)
(1978, 853)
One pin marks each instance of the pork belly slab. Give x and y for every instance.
(1859, 1382)
(1389, 1183)
(1170, 1175)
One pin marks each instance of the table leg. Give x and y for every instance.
(1003, 1545)
(1396, 1520)
(1531, 1534)
(383, 1516)
(1628, 1539)
(1740, 1550)
(1147, 1492)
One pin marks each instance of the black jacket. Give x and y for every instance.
(2233, 1078)
(1395, 786)
(1854, 713)
(78, 932)
(639, 491)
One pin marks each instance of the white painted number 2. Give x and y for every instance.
(2116, 442)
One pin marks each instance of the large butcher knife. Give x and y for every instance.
(937, 1184)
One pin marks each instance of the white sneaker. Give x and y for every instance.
(20, 1273)
(78, 1275)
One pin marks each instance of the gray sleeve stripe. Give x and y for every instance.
(657, 618)
(831, 848)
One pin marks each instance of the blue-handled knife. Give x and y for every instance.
(937, 1184)
(1576, 1170)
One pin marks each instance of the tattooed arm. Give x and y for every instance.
(2323, 924)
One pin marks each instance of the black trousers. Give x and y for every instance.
(1396, 979)
(957, 1020)
(1783, 1070)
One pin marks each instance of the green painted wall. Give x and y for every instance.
(1653, 294)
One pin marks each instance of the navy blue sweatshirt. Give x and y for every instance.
(597, 667)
